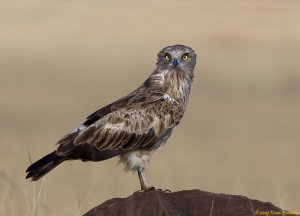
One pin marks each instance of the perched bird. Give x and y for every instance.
(134, 126)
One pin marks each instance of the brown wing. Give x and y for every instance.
(133, 99)
(133, 127)
(136, 121)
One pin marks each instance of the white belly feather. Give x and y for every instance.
(135, 160)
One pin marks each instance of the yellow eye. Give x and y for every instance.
(168, 57)
(185, 57)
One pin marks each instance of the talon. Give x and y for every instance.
(165, 190)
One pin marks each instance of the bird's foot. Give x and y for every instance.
(147, 189)
(153, 189)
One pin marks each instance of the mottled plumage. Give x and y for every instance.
(134, 126)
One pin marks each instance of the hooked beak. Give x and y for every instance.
(175, 62)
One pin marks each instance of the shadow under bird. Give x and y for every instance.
(134, 126)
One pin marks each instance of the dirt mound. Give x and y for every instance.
(189, 202)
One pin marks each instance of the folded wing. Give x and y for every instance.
(124, 128)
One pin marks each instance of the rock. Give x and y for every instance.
(189, 202)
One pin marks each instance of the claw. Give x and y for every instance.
(165, 190)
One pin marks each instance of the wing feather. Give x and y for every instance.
(131, 127)
(128, 124)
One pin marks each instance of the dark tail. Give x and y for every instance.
(41, 167)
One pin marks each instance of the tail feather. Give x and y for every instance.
(41, 167)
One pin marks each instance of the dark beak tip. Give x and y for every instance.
(175, 62)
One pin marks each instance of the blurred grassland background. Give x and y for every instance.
(60, 60)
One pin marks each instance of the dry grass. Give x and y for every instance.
(60, 59)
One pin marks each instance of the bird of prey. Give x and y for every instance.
(134, 126)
